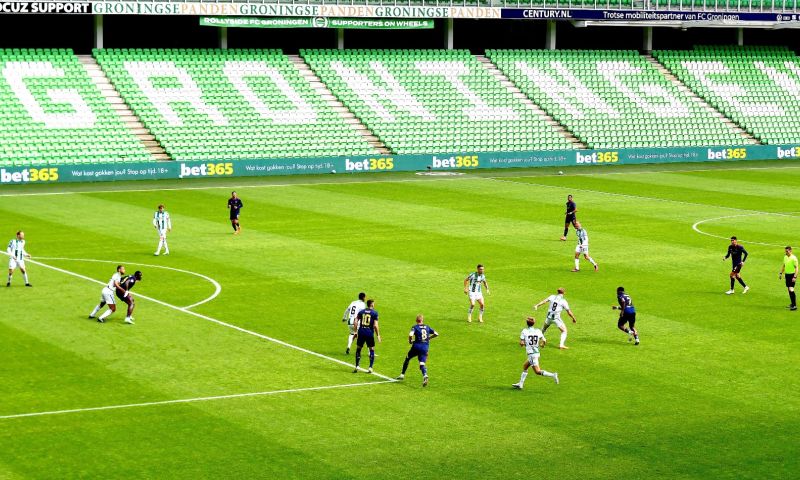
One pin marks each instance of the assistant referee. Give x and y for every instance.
(789, 269)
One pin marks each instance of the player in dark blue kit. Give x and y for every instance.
(234, 205)
(419, 337)
(736, 252)
(627, 314)
(125, 295)
(366, 327)
(569, 216)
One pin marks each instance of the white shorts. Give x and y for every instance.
(352, 328)
(107, 296)
(554, 321)
(14, 263)
(162, 234)
(533, 359)
(582, 249)
(475, 296)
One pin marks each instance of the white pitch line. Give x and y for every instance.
(377, 180)
(218, 322)
(217, 286)
(700, 222)
(189, 400)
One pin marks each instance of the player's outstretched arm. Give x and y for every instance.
(574, 320)
(487, 286)
(466, 281)
(536, 307)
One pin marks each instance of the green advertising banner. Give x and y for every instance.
(317, 22)
(398, 163)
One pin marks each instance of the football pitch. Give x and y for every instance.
(236, 366)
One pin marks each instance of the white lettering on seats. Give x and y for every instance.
(452, 71)
(161, 97)
(236, 71)
(669, 106)
(729, 92)
(15, 74)
(571, 88)
(370, 93)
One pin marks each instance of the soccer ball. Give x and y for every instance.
(333, 171)
(560, 172)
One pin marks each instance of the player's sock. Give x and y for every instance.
(522, 378)
(545, 373)
(166, 247)
(233, 224)
(577, 264)
(793, 297)
(350, 341)
(106, 314)
(25, 276)
(424, 369)
(563, 338)
(96, 309)
(469, 312)
(480, 315)
(405, 364)
(733, 282)
(591, 260)
(160, 244)
(566, 231)
(371, 358)
(358, 357)
(741, 282)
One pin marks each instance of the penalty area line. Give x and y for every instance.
(218, 322)
(190, 400)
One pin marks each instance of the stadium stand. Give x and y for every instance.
(52, 113)
(228, 104)
(613, 99)
(758, 87)
(431, 101)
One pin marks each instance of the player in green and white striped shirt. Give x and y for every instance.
(472, 287)
(163, 225)
(582, 247)
(17, 254)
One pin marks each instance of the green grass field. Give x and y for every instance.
(710, 393)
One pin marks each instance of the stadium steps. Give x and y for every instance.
(129, 119)
(316, 83)
(750, 139)
(517, 93)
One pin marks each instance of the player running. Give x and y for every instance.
(582, 248)
(790, 268)
(419, 337)
(17, 253)
(367, 327)
(107, 295)
(557, 304)
(350, 317)
(473, 288)
(163, 225)
(125, 295)
(569, 217)
(532, 338)
(235, 205)
(735, 252)
(627, 314)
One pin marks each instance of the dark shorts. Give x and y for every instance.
(364, 337)
(420, 353)
(569, 218)
(128, 300)
(629, 318)
(737, 268)
(790, 280)
(234, 216)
